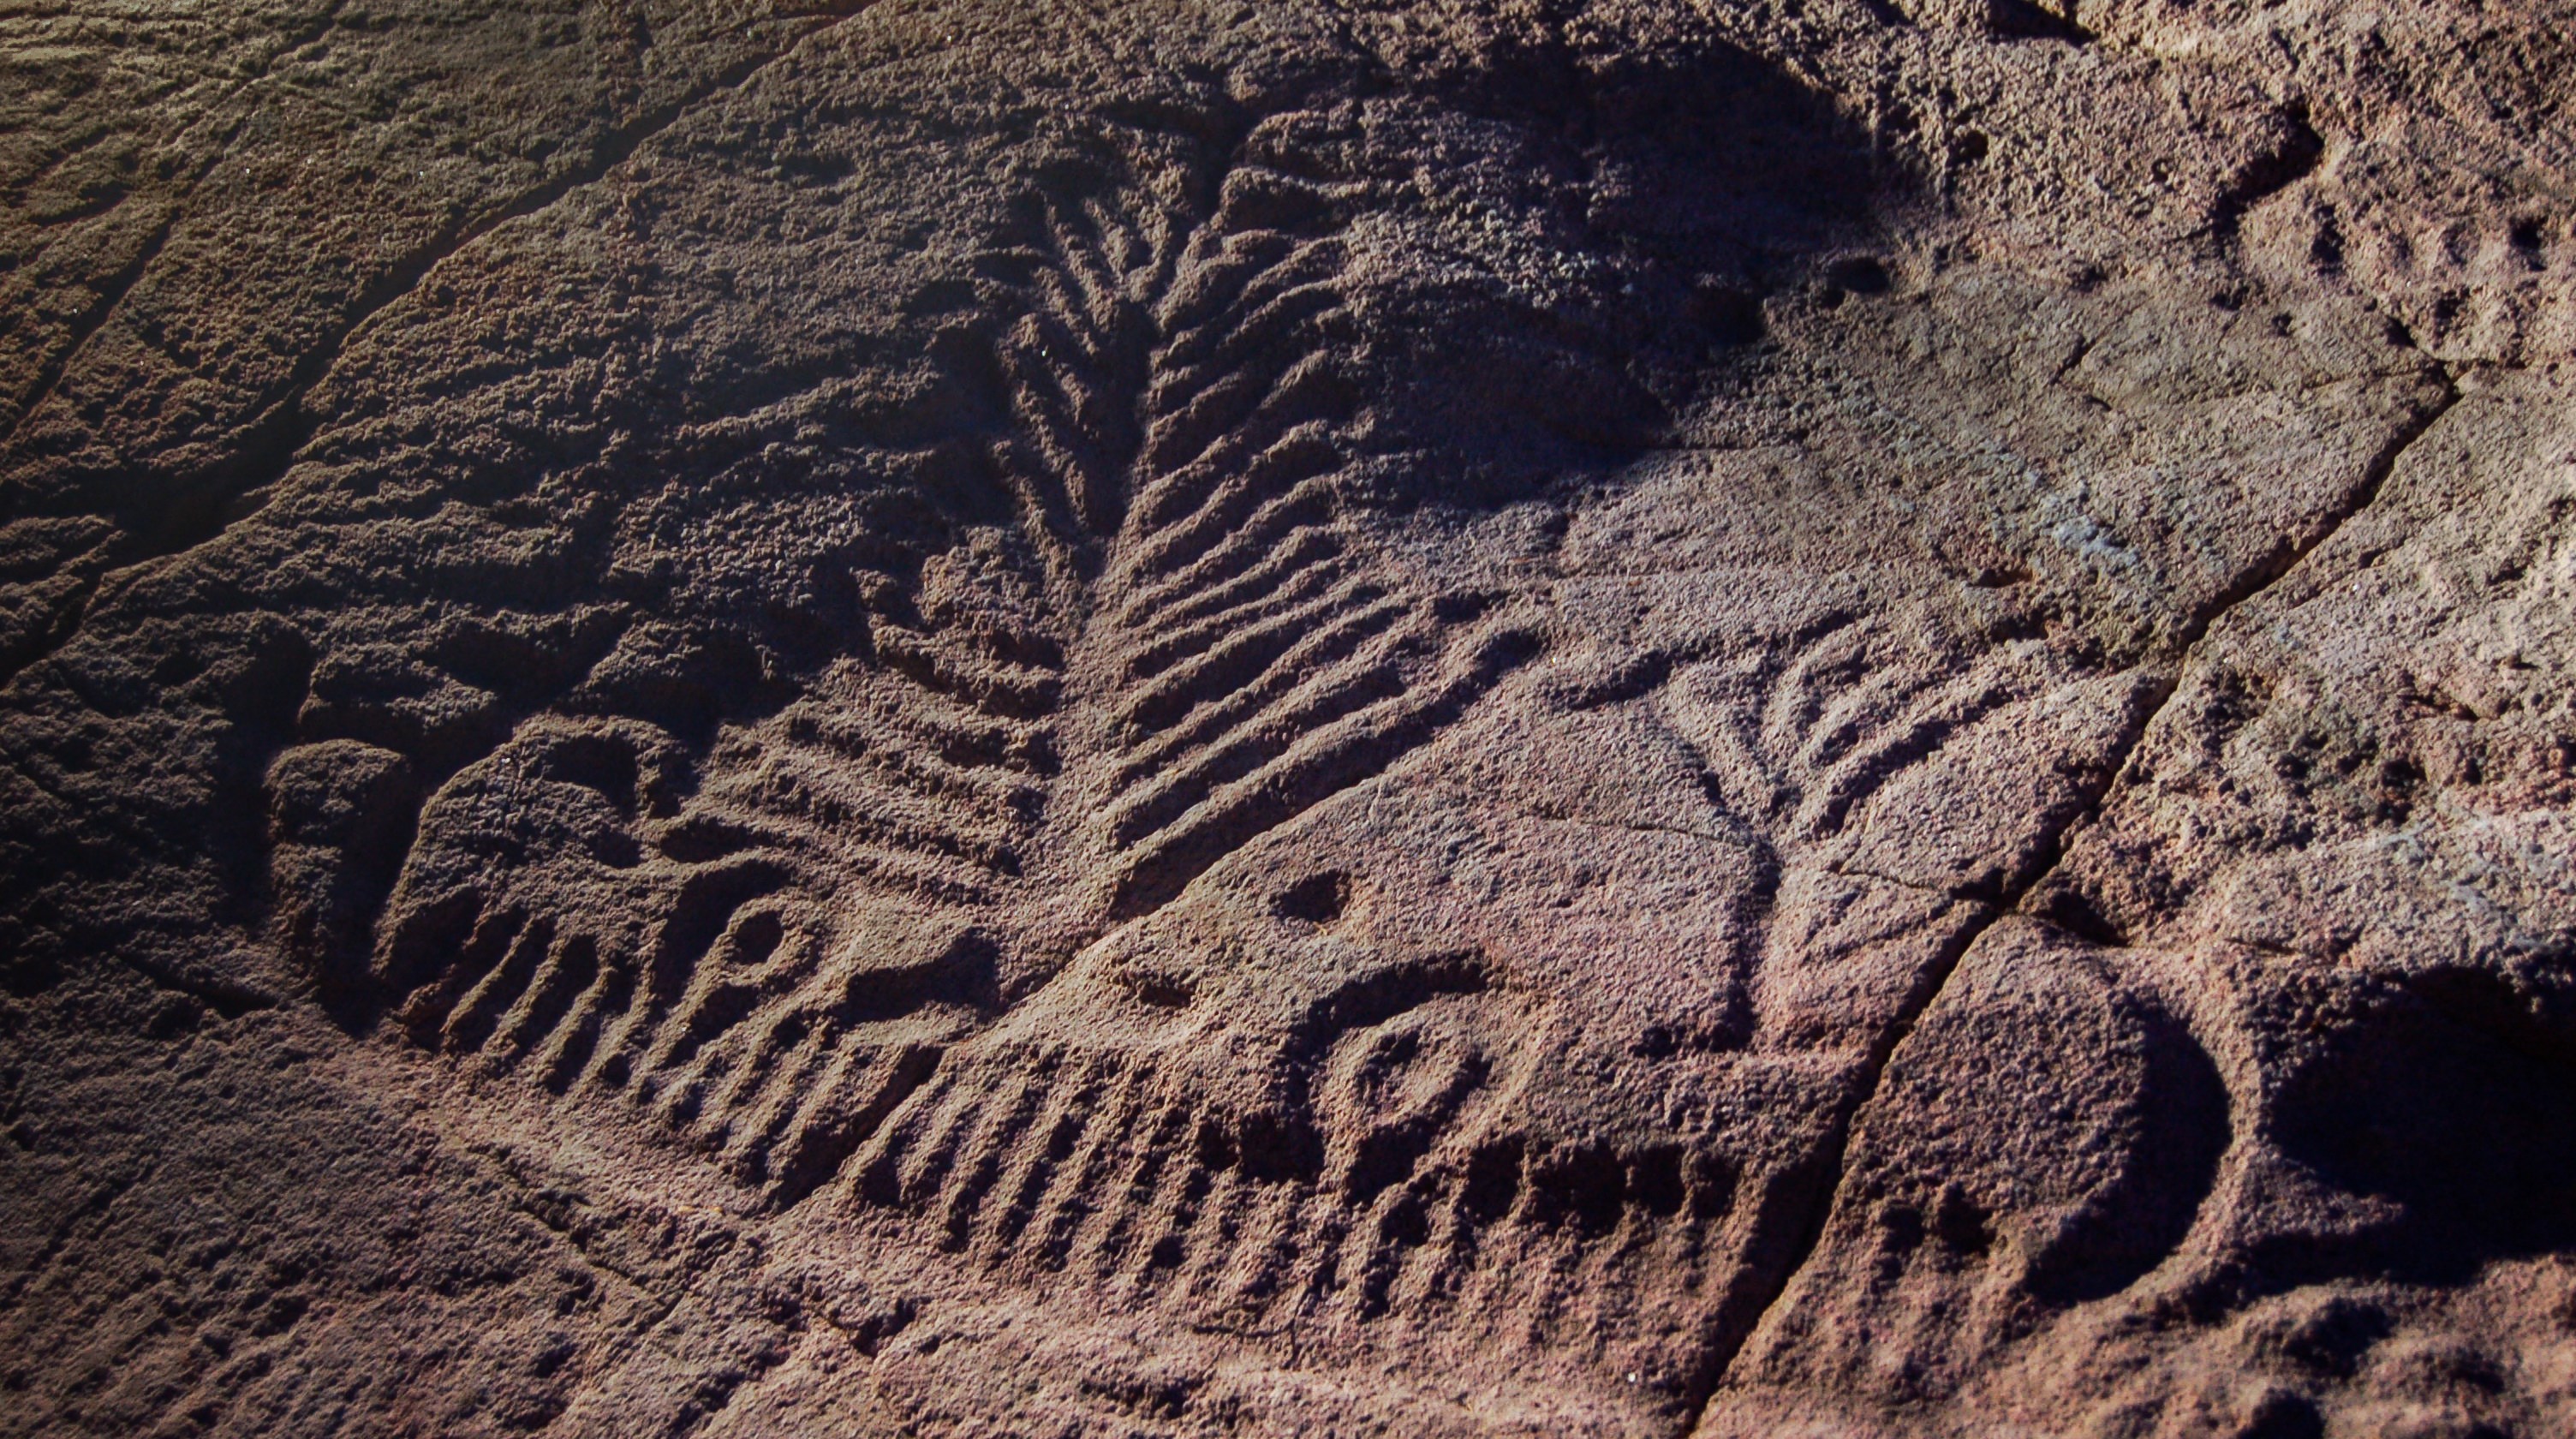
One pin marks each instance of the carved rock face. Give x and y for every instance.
(1614, 720)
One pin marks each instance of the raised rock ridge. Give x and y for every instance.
(1839, 717)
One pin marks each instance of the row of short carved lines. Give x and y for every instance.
(752, 1067)
(1014, 1171)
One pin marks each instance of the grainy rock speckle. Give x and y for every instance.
(1478, 717)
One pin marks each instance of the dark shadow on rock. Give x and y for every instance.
(2455, 1099)
(1683, 184)
(1662, 192)
(2182, 1132)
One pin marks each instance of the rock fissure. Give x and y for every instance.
(266, 446)
(1160, 721)
(113, 294)
(2374, 478)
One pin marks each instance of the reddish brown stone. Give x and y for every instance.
(1835, 717)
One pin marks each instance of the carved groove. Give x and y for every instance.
(1396, 1183)
(1185, 642)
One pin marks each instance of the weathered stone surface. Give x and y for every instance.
(1745, 718)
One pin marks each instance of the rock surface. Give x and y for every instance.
(1757, 717)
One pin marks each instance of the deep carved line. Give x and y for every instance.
(2259, 581)
(279, 427)
(95, 318)
(104, 308)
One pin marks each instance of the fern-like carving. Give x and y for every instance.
(1183, 424)
(1187, 638)
(1798, 738)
